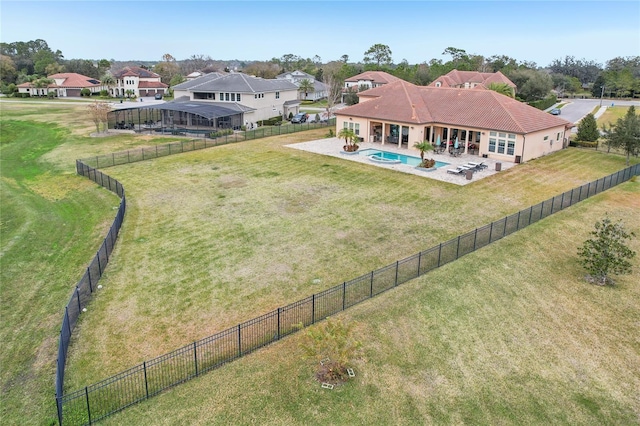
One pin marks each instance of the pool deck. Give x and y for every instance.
(333, 148)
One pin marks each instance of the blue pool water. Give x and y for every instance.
(404, 159)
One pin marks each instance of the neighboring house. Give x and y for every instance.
(243, 99)
(194, 75)
(67, 84)
(367, 80)
(139, 81)
(471, 80)
(484, 122)
(296, 77)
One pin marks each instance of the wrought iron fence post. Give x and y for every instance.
(475, 238)
(78, 297)
(504, 229)
(344, 294)
(458, 247)
(397, 265)
(146, 382)
(491, 233)
(419, 261)
(278, 323)
(195, 357)
(86, 393)
(371, 286)
(439, 254)
(239, 342)
(313, 308)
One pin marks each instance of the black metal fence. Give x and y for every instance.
(111, 395)
(148, 153)
(89, 281)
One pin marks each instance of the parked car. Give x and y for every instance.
(555, 111)
(301, 117)
(158, 96)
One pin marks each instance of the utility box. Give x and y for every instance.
(498, 167)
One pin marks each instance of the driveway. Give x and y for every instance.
(576, 109)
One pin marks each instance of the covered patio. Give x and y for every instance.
(444, 139)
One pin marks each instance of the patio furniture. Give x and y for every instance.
(456, 171)
(478, 166)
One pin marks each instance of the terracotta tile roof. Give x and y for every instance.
(458, 78)
(379, 77)
(151, 85)
(73, 80)
(136, 72)
(68, 80)
(404, 102)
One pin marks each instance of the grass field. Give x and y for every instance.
(508, 335)
(218, 236)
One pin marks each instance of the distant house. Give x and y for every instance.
(64, 85)
(483, 122)
(194, 74)
(367, 80)
(137, 81)
(242, 98)
(471, 80)
(296, 77)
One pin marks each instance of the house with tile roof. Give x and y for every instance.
(296, 77)
(137, 81)
(252, 98)
(484, 122)
(471, 80)
(367, 80)
(64, 85)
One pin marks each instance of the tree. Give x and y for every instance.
(625, 134)
(334, 91)
(351, 96)
(606, 253)
(176, 79)
(349, 139)
(502, 88)
(380, 54)
(109, 81)
(305, 87)
(99, 113)
(588, 129)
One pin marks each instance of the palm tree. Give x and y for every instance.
(305, 87)
(109, 81)
(422, 147)
(502, 88)
(349, 138)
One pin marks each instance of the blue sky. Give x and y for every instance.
(417, 31)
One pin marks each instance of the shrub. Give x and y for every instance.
(85, 92)
(544, 103)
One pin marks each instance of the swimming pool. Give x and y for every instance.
(392, 157)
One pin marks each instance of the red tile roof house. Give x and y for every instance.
(64, 85)
(484, 122)
(367, 80)
(471, 79)
(140, 81)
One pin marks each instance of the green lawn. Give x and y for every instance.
(215, 237)
(508, 335)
